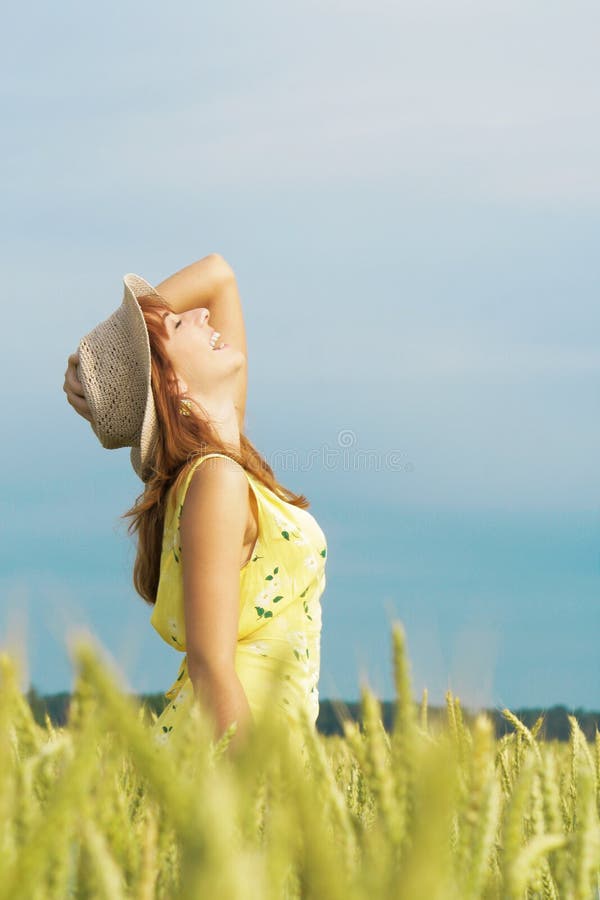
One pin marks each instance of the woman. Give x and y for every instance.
(231, 562)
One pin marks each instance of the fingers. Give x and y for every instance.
(73, 388)
(72, 383)
(80, 406)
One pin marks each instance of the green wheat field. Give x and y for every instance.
(96, 810)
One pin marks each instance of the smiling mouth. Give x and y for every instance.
(213, 341)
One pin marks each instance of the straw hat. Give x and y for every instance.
(114, 369)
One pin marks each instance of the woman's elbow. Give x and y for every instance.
(222, 269)
(214, 669)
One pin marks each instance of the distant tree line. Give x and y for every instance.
(331, 713)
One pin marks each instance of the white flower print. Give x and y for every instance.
(299, 644)
(297, 536)
(310, 562)
(259, 647)
(298, 639)
(263, 599)
(282, 524)
(286, 528)
(183, 693)
(162, 737)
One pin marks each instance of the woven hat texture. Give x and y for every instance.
(114, 369)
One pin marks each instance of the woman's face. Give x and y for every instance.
(201, 368)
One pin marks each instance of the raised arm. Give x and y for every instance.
(211, 282)
(198, 284)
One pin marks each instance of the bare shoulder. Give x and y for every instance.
(215, 507)
(217, 472)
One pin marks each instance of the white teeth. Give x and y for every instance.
(214, 338)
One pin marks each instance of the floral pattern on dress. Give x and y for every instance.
(173, 628)
(176, 545)
(162, 736)
(310, 562)
(288, 529)
(269, 595)
(259, 647)
(280, 613)
(299, 645)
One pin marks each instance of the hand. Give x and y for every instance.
(74, 389)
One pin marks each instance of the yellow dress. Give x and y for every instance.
(280, 609)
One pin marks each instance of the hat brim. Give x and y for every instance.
(136, 286)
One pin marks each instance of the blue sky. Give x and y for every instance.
(409, 194)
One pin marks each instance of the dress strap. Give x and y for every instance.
(186, 483)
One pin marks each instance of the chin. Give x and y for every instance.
(236, 355)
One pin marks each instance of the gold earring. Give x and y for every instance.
(182, 409)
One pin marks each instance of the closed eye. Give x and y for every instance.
(165, 320)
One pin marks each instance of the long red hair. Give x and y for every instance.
(181, 438)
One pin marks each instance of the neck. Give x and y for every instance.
(223, 417)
